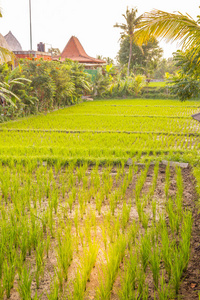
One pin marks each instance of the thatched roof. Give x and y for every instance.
(75, 51)
(13, 42)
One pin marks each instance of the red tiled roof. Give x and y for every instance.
(74, 50)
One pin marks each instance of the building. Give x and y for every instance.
(12, 42)
(16, 48)
(75, 51)
(33, 55)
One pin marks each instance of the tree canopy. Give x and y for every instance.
(143, 59)
(129, 28)
(5, 54)
(169, 27)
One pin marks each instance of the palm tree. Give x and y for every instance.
(170, 27)
(5, 54)
(129, 29)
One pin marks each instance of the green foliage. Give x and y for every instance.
(144, 59)
(110, 84)
(49, 85)
(129, 28)
(101, 84)
(163, 66)
(185, 84)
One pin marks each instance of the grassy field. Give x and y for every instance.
(157, 84)
(105, 131)
(78, 222)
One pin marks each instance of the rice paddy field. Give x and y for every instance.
(92, 207)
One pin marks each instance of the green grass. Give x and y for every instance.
(112, 130)
(157, 84)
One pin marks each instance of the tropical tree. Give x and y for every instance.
(185, 84)
(144, 59)
(5, 54)
(170, 27)
(184, 29)
(129, 28)
(165, 65)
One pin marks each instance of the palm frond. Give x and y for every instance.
(6, 55)
(170, 27)
(4, 92)
(8, 100)
(16, 80)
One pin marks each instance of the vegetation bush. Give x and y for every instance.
(112, 83)
(52, 85)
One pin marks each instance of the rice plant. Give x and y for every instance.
(113, 258)
(164, 290)
(155, 264)
(65, 252)
(8, 275)
(24, 283)
(145, 250)
(128, 281)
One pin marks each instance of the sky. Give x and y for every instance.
(91, 21)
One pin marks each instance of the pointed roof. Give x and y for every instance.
(12, 42)
(74, 50)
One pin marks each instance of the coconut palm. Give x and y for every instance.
(170, 27)
(5, 54)
(129, 29)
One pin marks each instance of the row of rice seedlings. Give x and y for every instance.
(64, 253)
(154, 182)
(26, 236)
(133, 285)
(110, 228)
(24, 282)
(104, 122)
(128, 282)
(114, 256)
(140, 182)
(167, 181)
(176, 257)
(157, 245)
(139, 200)
(14, 238)
(179, 194)
(145, 108)
(87, 263)
(52, 145)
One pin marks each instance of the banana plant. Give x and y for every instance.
(5, 91)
